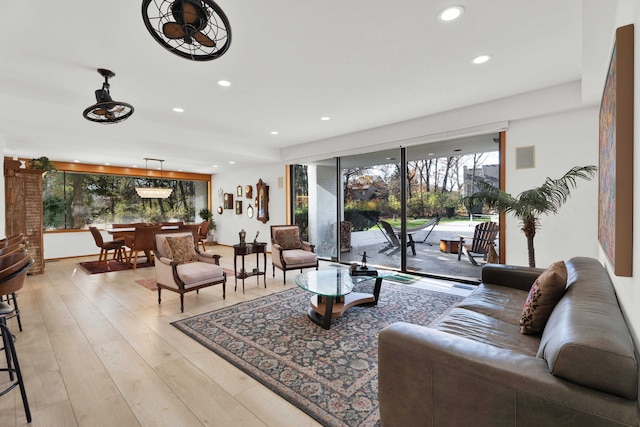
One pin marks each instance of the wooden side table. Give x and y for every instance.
(248, 249)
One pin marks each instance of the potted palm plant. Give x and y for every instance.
(530, 204)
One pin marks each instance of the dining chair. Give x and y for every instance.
(203, 233)
(141, 241)
(116, 245)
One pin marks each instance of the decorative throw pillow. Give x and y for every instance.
(288, 238)
(545, 293)
(181, 249)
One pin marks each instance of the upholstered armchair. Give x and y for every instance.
(288, 252)
(181, 268)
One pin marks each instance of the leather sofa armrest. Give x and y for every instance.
(511, 276)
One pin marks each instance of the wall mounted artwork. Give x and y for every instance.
(615, 204)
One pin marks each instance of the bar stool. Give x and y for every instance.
(13, 367)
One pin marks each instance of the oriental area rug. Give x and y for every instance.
(331, 375)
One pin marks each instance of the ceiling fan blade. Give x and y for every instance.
(189, 13)
(99, 111)
(173, 30)
(204, 40)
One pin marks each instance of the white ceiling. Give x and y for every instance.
(364, 63)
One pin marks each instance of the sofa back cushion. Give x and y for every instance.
(586, 339)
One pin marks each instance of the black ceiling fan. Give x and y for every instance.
(194, 29)
(106, 110)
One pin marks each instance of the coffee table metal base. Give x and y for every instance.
(325, 308)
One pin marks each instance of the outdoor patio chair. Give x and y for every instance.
(393, 240)
(428, 226)
(484, 236)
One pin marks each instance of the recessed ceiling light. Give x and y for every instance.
(481, 59)
(134, 166)
(274, 132)
(232, 162)
(457, 149)
(450, 14)
(215, 166)
(325, 118)
(76, 161)
(178, 109)
(107, 164)
(430, 154)
(390, 158)
(225, 83)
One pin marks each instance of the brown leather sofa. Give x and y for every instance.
(473, 367)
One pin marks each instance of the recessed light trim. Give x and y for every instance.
(231, 162)
(224, 83)
(325, 118)
(451, 14)
(481, 59)
(178, 109)
(274, 132)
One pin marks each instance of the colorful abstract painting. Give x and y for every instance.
(615, 207)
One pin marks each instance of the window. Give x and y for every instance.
(74, 200)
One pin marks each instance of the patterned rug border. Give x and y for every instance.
(367, 380)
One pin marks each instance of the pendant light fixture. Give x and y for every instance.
(106, 110)
(154, 192)
(193, 29)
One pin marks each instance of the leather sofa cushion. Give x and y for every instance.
(586, 339)
(499, 302)
(488, 330)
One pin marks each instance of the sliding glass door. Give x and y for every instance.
(401, 208)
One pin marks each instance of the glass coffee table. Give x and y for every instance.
(333, 294)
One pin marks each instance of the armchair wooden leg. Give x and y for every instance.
(181, 303)
(159, 298)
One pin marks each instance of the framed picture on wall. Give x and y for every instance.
(238, 207)
(228, 201)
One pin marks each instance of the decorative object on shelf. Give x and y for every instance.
(616, 152)
(154, 192)
(193, 29)
(228, 201)
(243, 235)
(262, 201)
(220, 210)
(249, 211)
(106, 110)
(248, 192)
(239, 191)
(238, 207)
(255, 240)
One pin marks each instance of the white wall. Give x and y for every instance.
(229, 224)
(71, 244)
(628, 288)
(561, 141)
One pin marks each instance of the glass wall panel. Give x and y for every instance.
(372, 194)
(439, 175)
(315, 189)
(78, 200)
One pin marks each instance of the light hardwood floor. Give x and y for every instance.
(98, 350)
